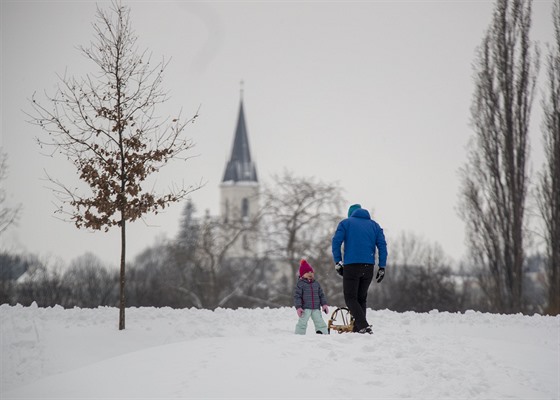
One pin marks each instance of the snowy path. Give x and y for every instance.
(253, 354)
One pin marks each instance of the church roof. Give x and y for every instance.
(240, 167)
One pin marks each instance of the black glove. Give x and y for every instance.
(339, 268)
(380, 274)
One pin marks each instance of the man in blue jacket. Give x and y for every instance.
(361, 237)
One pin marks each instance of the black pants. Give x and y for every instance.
(355, 283)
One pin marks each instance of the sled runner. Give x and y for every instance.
(341, 321)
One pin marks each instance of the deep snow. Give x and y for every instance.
(253, 354)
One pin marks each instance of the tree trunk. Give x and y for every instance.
(122, 302)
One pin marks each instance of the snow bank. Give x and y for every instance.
(250, 354)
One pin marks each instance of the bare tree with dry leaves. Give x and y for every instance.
(106, 125)
(548, 190)
(494, 187)
(299, 215)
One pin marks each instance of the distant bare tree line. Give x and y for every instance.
(192, 270)
(156, 281)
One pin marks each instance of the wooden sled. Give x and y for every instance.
(341, 321)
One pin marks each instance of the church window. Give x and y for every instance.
(245, 208)
(226, 211)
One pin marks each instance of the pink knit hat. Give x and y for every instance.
(304, 267)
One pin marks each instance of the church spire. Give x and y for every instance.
(240, 167)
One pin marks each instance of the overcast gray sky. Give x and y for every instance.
(374, 95)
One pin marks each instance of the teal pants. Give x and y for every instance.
(315, 315)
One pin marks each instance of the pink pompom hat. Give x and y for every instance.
(304, 267)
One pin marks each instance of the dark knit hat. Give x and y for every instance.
(353, 208)
(304, 267)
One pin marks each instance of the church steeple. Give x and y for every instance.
(240, 167)
(239, 192)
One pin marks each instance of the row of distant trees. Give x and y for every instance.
(192, 269)
(158, 280)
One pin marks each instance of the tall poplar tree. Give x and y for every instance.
(494, 187)
(549, 184)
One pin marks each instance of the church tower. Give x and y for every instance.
(239, 190)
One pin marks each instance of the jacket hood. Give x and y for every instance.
(361, 213)
(353, 208)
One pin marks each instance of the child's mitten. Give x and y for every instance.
(300, 312)
(325, 309)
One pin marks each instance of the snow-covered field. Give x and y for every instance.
(253, 354)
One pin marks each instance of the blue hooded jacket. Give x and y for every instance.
(361, 236)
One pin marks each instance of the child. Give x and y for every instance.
(309, 299)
